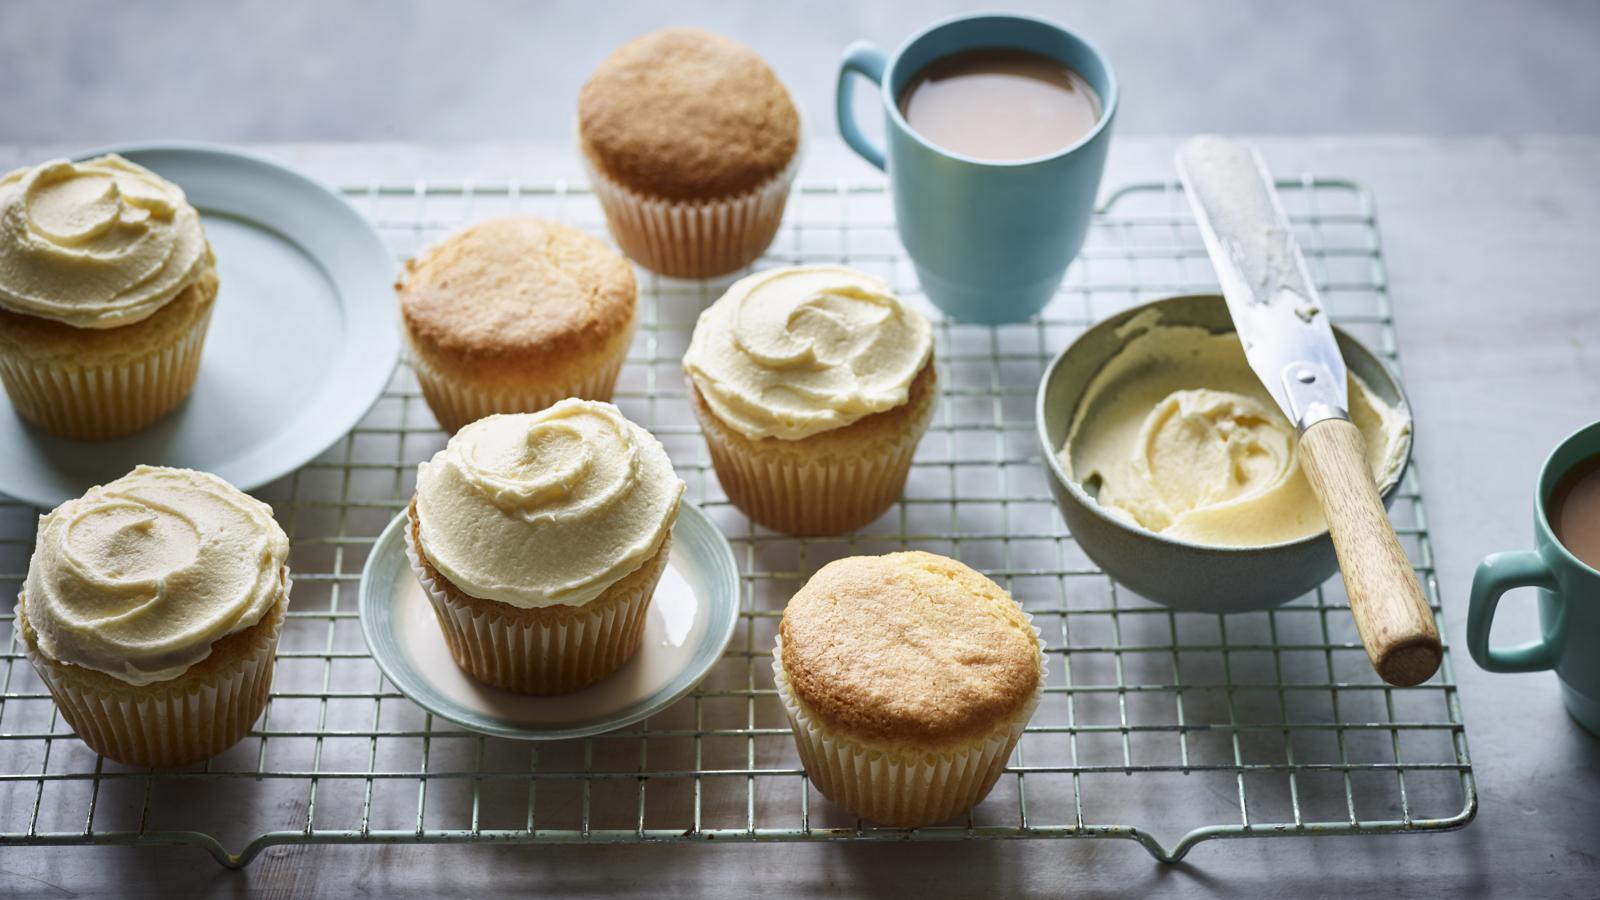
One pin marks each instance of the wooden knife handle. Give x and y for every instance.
(1394, 621)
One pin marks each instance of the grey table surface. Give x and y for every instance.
(1493, 253)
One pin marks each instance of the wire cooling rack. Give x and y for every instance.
(1161, 727)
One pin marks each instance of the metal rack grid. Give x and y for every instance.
(1186, 727)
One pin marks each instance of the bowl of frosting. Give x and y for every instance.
(1178, 475)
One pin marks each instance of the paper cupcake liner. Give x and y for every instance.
(102, 402)
(456, 403)
(894, 786)
(511, 652)
(694, 239)
(171, 723)
(829, 495)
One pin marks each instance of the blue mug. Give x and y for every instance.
(1569, 597)
(990, 239)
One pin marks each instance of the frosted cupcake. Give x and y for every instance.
(907, 679)
(106, 289)
(813, 386)
(539, 539)
(691, 143)
(514, 314)
(151, 611)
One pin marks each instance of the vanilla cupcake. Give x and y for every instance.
(907, 679)
(106, 289)
(151, 611)
(813, 386)
(691, 143)
(514, 314)
(539, 540)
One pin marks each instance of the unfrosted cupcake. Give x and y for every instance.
(106, 289)
(539, 539)
(813, 386)
(691, 143)
(151, 611)
(514, 314)
(907, 679)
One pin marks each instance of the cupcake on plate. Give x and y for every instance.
(106, 288)
(691, 143)
(514, 314)
(813, 386)
(539, 539)
(907, 679)
(151, 611)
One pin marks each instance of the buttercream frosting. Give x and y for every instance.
(95, 244)
(1177, 435)
(139, 577)
(547, 508)
(793, 352)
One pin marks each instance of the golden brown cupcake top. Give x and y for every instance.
(687, 115)
(509, 291)
(908, 648)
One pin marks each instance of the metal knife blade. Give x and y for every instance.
(1274, 305)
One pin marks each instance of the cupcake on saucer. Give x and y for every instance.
(539, 539)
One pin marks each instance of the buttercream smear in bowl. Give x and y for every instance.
(1175, 472)
(1177, 435)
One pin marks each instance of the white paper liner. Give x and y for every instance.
(828, 496)
(102, 402)
(539, 658)
(456, 403)
(890, 786)
(160, 725)
(694, 239)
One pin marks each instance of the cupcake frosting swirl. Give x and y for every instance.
(546, 508)
(789, 353)
(139, 577)
(95, 244)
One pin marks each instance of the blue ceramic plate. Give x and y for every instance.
(691, 620)
(303, 339)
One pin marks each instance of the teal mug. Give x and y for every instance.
(990, 239)
(1569, 597)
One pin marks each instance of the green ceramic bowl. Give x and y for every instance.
(1178, 573)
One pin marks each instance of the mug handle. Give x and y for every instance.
(860, 58)
(1498, 573)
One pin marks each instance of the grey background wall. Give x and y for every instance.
(114, 70)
